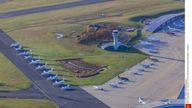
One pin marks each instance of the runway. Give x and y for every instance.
(48, 8)
(65, 99)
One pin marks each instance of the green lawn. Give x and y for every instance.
(116, 62)
(10, 77)
(36, 31)
(13, 5)
(26, 103)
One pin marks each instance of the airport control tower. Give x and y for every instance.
(115, 39)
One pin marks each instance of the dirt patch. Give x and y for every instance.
(2, 84)
(81, 68)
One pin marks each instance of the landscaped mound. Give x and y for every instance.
(101, 33)
(81, 68)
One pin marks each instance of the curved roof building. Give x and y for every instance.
(161, 21)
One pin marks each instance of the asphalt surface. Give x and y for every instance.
(31, 93)
(48, 8)
(77, 98)
(3, 1)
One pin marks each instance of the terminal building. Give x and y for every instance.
(162, 21)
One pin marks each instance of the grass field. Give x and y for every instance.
(10, 77)
(26, 103)
(23, 4)
(37, 32)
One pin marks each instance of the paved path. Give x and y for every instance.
(65, 99)
(48, 8)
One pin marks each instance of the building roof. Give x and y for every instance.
(161, 20)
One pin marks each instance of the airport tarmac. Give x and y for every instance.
(163, 80)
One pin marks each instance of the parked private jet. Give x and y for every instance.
(28, 57)
(34, 61)
(58, 82)
(18, 48)
(59, 35)
(136, 73)
(153, 39)
(154, 59)
(178, 25)
(67, 87)
(145, 65)
(141, 70)
(98, 88)
(123, 78)
(174, 29)
(17, 44)
(41, 66)
(145, 43)
(152, 64)
(47, 71)
(153, 51)
(53, 77)
(25, 53)
(114, 85)
(120, 82)
(141, 100)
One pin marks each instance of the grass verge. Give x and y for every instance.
(10, 77)
(26, 103)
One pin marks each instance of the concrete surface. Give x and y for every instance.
(163, 80)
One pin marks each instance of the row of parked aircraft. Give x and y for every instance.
(116, 85)
(41, 67)
(171, 29)
(121, 80)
